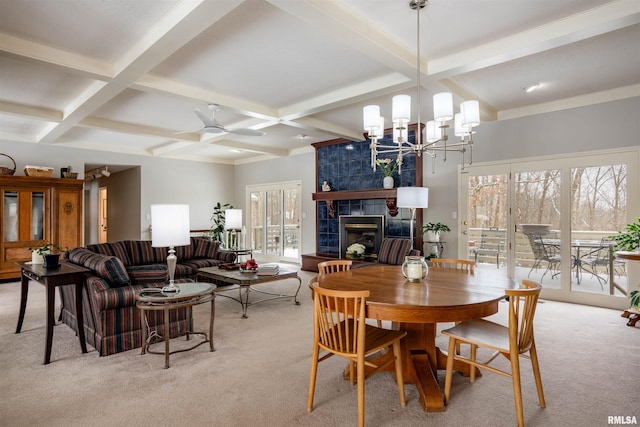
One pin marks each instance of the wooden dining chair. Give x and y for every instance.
(511, 341)
(454, 264)
(340, 329)
(334, 266)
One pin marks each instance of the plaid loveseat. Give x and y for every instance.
(112, 321)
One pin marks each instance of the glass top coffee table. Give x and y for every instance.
(245, 282)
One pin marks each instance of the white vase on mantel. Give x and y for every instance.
(387, 182)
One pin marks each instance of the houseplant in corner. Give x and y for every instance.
(217, 217)
(629, 241)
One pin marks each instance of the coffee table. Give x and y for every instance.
(188, 295)
(245, 282)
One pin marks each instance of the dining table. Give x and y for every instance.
(417, 307)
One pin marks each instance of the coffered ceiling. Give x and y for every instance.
(126, 75)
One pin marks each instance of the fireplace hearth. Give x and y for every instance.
(365, 229)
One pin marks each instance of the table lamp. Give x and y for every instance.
(170, 227)
(412, 198)
(233, 223)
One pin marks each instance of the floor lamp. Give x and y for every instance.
(412, 198)
(170, 227)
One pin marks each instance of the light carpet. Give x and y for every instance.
(259, 374)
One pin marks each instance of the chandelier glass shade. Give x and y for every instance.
(436, 137)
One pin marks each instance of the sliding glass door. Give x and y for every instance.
(551, 220)
(274, 221)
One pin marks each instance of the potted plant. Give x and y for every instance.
(218, 218)
(629, 241)
(433, 230)
(47, 254)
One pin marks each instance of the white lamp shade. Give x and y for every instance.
(443, 106)
(233, 219)
(470, 111)
(170, 225)
(379, 133)
(371, 117)
(401, 108)
(459, 129)
(412, 197)
(433, 129)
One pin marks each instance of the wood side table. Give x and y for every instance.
(65, 274)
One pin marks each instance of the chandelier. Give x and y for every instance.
(436, 138)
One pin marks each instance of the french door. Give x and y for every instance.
(550, 220)
(274, 221)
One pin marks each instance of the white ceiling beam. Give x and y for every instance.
(129, 128)
(185, 22)
(313, 124)
(164, 86)
(574, 102)
(22, 110)
(69, 62)
(346, 96)
(606, 18)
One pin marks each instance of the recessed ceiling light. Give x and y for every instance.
(303, 136)
(531, 87)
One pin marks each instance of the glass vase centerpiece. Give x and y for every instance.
(415, 268)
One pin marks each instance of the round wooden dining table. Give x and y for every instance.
(417, 307)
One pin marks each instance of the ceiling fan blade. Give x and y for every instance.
(208, 121)
(213, 129)
(246, 132)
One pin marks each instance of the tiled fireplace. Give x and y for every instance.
(346, 167)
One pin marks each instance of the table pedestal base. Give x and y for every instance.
(421, 360)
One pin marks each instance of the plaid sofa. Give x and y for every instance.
(112, 321)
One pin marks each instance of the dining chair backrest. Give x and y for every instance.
(334, 266)
(453, 264)
(340, 329)
(339, 320)
(522, 308)
(393, 250)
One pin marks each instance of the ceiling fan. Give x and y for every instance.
(210, 125)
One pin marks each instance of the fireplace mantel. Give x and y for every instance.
(388, 194)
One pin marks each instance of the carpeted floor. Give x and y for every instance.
(259, 374)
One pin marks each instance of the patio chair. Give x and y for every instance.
(490, 243)
(512, 341)
(600, 261)
(544, 251)
(340, 329)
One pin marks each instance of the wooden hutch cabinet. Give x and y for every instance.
(34, 210)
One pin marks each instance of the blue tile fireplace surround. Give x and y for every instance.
(356, 190)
